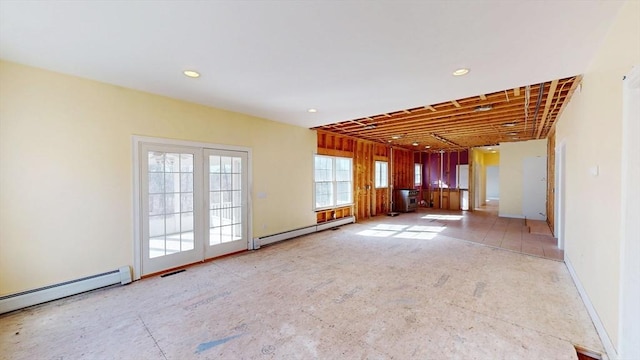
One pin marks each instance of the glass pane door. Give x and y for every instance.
(170, 184)
(227, 202)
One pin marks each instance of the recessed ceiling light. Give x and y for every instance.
(396, 137)
(460, 72)
(509, 124)
(515, 138)
(483, 108)
(489, 148)
(370, 127)
(191, 73)
(415, 144)
(427, 147)
(312, 110)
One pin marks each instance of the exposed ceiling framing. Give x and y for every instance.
(519, 114)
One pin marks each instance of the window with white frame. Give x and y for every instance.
(333, 181)
(417, 174)
(382, 174)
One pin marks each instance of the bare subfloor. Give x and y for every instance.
(389, 288)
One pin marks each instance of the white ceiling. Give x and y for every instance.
(276, 59)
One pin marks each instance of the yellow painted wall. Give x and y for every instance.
(491, 159)
(591, 128)
(512, 156)
(66, 171)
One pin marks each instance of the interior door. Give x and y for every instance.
(171, 208)
(226, 189)
(534, 194)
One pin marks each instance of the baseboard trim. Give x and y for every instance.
(602, 332)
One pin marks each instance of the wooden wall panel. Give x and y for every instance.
(551, 179)
(368, 201)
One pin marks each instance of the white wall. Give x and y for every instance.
(591, 127)
(512, 156)
(66, 171)
(493, 182)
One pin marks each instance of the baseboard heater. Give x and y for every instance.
(53, 292)
(265, 240)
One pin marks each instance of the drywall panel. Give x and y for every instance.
(512, 157)
(66, 182)
(594, 117)
(493, 182)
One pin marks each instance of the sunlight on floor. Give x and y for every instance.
(443, 217)
(403, 231)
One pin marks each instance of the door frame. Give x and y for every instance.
(559, 193)
(136, 147)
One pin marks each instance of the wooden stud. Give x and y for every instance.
(547, 105)
(483, 97)
(455, 103)
(516, 91)
(430, 108)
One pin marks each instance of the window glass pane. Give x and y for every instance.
(171, 182)
(156, 161)
(417, 174)
(214, 199)
(171, 162)
(225, 164)
(344, 192)
(381, 174)
(324, 194)
(186, 163)
(214, 164)
(214, 182)
(156, 183)
(237, 165)
(343, 169)
(186, 202)
(186, 182)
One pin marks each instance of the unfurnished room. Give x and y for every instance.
(319, 179)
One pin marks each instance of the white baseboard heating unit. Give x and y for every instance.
(53, 292)
(269, 239)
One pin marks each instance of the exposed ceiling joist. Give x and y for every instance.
(547, 106)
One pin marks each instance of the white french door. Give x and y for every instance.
(226, 191)
(193, 204)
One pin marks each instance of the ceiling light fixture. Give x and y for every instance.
(512, 124)
(483, 108)
(396, 137)
(427, 147)
(370, 127)
(191, 73)
(460, 72)
(415, 144)
(312, 110)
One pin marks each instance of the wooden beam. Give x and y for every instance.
(430, 108)
(483, 97)
(516, 91)
(455, 103)
(547, 106)
(406, 111)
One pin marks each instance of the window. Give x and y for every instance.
(333, 181)
(417, 174)
(382, 178)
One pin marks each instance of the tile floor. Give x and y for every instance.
(392, 288)
(485, 227)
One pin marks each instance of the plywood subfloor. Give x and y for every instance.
(390, 288)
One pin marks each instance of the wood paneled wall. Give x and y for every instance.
(368, 201)
(551, 179)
